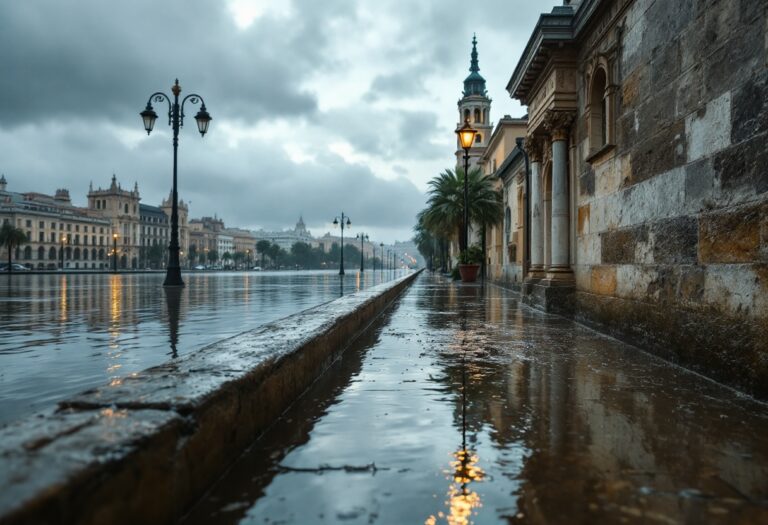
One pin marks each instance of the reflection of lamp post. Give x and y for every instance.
(114, 253)
(336, 222)
(61, 252)
(176, 121)
(466, 135)
(363, 237)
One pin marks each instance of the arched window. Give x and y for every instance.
(466, 114)
(28, 253)
(52, 254)
(599, 111)
(68, 253)
(93, 254)
(41, 253)
(77, 254)
(85, 254)
(126, 208)
(477, 115)
(101, 254)
(478, 138)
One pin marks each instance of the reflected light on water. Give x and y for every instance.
(63, 299)
(462, 502)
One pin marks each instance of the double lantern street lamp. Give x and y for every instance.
(466, 135)
(381, 262)
(363, 237)
(337, 222)
(176, 121)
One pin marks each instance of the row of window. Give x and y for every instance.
(68, 254)
(101, 204)
(62, 226)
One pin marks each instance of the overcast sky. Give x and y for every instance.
(317, 106)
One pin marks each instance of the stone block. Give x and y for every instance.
(587, 181)
(731, 236)
(603, 280)
(632, 281)
(675, 241)
(699, 186)
(733, 63)
(689, 91)
(618, 246)
(738, 289)
(742, 169)
(659, 153)
(583, 220)
(635, 88)
(749, 112)
(708, 130)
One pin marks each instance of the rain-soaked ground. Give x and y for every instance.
(460, 405)
(63, 333)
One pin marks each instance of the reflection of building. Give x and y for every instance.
(55, 227)
(121, 207)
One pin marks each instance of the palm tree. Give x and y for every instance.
(444, 214)
(12, 237)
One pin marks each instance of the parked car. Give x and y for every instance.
(257, 268)
(16, 267)
(199, 267)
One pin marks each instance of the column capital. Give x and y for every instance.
(534, 147)
(558, 124)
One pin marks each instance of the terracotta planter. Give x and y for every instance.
(469, 272)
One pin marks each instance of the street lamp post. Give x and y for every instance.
(363, 237)
(114, 253)
(337, 222)
(466, 135)
(176, 121)
(61, 252)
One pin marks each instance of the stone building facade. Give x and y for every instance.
(503, 244)
(60, 235)
(648, 125)
(121, 208)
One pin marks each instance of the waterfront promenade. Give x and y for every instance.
(461, 405)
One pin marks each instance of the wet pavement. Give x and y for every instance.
(460, 405)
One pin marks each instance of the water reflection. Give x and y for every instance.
(61, 334)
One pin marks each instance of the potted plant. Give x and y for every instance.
(469, 263)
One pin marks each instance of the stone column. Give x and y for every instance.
(533, 148)
(558, 125)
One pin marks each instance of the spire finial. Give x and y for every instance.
(474, 67)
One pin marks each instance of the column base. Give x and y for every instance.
(555, 293)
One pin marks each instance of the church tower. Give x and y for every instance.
(474, 106)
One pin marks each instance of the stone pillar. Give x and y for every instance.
(560, 267)
(533, 148)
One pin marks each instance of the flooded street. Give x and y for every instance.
(61, 334)
(459, 405)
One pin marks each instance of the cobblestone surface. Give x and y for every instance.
(460, 405)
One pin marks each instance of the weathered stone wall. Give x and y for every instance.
(671, 223)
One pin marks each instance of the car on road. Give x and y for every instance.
(199, 267)
(16, 267)
(256, 268)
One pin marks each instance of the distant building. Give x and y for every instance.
(121, 208)
(56, 229)
(287, 238)
(155, 231)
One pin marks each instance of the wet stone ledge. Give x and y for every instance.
(144, 449)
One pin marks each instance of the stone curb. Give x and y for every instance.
(147, 448)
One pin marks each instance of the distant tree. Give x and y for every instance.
(238, 257)
(213, 256)
(155, 255)
(301, 254)
(263, 247)
(276, 254)
(12, 237)
(227, 258)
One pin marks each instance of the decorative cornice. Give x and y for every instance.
(558, 124)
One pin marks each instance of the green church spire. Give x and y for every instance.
(474, 84)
